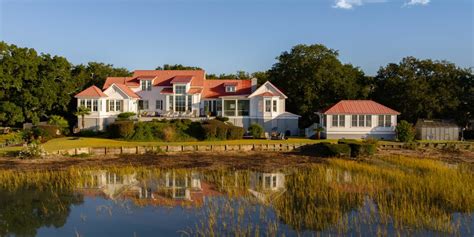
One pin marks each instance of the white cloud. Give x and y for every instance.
(417, 2)
(349, 4)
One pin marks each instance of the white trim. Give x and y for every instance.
(274, 87)
(113, 84)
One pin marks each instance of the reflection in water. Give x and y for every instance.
(389, 196)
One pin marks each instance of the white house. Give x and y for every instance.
(355, 119)
(186, 94)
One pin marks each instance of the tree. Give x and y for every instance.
(425, 89)
(82, 111)
(237, 75)
(177, 67)
(405, 131)
(313, 78)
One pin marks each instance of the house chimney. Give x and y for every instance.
(254, 84)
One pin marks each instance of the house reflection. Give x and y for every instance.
(108, 184)
(267, 186)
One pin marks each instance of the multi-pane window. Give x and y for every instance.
(91, 104)
(268, 106)
(159, 104)
(361, 120)
(180, 103)
(118, 105)
(171, 99)
(338, 120)
(229, 107)
(95, 105)
(190, 103)
(143, 104)
(230, 89)
(385, 121)
(179, 89)
(114, 105)
(83, 103)
(146, 85)
(275, 106)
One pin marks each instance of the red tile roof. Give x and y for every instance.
(164, 77)
(127, 90)
(231, 83)
(359, 107)
(91, 92)
(216, 88)
(181, 79)
(129, 81)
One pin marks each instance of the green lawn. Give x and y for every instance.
(76, 142)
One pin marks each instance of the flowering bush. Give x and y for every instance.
(31, 151)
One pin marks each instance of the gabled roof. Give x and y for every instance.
(216, 88)
(191, 91)
(267, 84)
(91, 92)
(127, 91)
(128, 81)
(266, 94)
(359, 107)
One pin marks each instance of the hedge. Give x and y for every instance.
(359, 148)
(209, 131)
(256, 130)
(121, 129)
(332, 150)
(235, 133)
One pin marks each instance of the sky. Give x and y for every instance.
(223, 36)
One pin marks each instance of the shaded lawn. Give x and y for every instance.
(77, 142)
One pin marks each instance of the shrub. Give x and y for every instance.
(221, 131)
(405, 131)
(332, 150)
(60, 122)
(125, 115)
(169, 134)
(256, 130)
(121, 129)
(195, 130)
(210, 131)
(222, 119)
(142, 132)
(234, 132)
(32, 150)
(358, 148)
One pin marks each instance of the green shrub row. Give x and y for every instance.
(174, 130)
(345, 148)
(359, 148)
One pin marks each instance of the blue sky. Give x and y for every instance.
(230, 35)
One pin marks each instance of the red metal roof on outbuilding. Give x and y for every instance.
(359, 107)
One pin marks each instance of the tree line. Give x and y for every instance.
(35, 86)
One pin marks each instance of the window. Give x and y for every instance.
(170, 102)
(243, 107)
(274, 181)
(83, 103)
(190, 102)
(354, 120)
(268, 104)
(361, 120)
(143, 104)
(146, 85)
(229, 107)
(118, 105)
(179, 89)
(159, 104)
(275, 106)
(95, 105)
(180, 103)
(368, 120)
(385, 120)
(230, 89)
(89, 104)
(338, 120)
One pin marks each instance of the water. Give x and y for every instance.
(139, 201)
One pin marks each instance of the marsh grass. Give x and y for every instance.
(391, 195)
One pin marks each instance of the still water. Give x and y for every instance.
(387, 197)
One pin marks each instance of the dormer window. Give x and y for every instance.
(146, 85)
(180, 89)
(230, 89)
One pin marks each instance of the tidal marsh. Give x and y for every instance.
(384, 196)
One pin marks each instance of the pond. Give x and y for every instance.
(384, 196)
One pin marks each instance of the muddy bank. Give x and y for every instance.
(237, 160)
